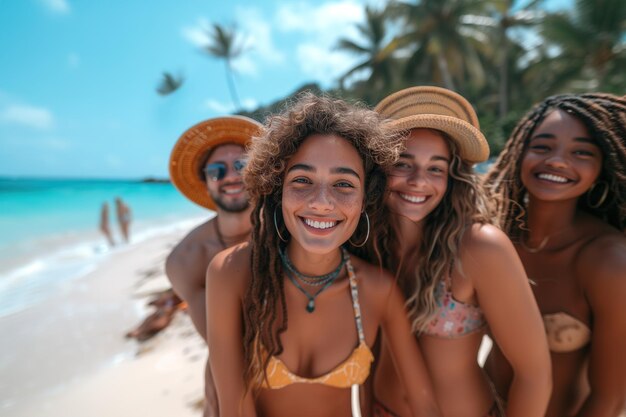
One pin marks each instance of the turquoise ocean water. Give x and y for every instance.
(49, 229)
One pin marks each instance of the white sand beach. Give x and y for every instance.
(68, 356)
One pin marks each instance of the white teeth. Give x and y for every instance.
(413, 199)
(233, 190)
(553, 178)
(319, 225)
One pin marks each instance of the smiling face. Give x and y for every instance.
(562, 161)
(418, 181)
(228, 193)
(323, 192)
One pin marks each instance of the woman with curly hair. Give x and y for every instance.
(460, 274)
(292, 315)
(560, 190)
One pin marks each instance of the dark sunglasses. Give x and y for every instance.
(217, 170)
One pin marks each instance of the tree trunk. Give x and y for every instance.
(445, 71)
(504, 77)
(231, 86)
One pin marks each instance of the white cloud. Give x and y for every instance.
(249, 103)
(25, 115)
(229, 108)
(319, 62)
(57, 6)
(322, 26)
(255, 35)
(197, 34)
(219, 107)
(73, 60)
(328, 20)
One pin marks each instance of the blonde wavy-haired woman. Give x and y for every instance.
(460, 274)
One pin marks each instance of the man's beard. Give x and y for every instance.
(236, 206)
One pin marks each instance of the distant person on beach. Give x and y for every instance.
(205, 166)
(104, 223)
(166, 303)
(560, 189)
(124, 218)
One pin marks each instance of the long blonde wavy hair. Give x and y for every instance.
(462, 206)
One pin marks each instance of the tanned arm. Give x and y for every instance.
(504, 295)
(603, 273)
(226, 280)
(407, 355)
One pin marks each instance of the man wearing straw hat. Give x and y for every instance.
(205, 166)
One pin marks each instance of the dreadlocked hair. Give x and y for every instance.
(265, 313)
(462, 206)
(604, 116)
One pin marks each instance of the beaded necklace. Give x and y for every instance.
(324, 281)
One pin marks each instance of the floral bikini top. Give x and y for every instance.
(453, 318)
(353, 370)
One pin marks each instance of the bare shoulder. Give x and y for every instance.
(371, 276)
(602, 261)
(194, 247)
(485, 240)
(231, 268)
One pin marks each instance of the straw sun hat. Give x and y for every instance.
(440, 109)
(192, 147)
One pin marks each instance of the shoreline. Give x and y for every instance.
(67, 355)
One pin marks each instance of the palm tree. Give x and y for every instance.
(169, 84)
(225, 44)
(592, 39)
(505, 16)
(377, 54)
(447, 48)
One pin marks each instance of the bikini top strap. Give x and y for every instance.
(355, 296)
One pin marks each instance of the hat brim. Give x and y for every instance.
(471, 142)
(193, 145)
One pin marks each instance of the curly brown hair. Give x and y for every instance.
(268, 156)
(462, 206)
(604, 116)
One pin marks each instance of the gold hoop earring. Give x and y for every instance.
(276, 226)
(605, 193)
(367, 236)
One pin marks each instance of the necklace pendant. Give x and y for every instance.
(310, 306)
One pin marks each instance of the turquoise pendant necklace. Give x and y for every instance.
(325, 280)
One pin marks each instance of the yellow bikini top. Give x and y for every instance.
(565, 333)
(353, 370)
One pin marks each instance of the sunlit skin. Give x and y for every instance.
(317, 189)
(187, 263)
(228, 193)
(419, 180)
(322, 203)
(416, 186)
(579, 270)
(562, 161)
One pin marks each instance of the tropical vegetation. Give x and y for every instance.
(503, 55)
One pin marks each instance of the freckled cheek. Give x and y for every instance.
(394, 182)
(350, 203)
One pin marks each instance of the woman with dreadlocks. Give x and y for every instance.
(460, 274)
(292, 315)
(560, 189)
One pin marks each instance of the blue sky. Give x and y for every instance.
(78, 77)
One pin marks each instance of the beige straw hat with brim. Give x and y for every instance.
(441, 109)
(192, 147)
